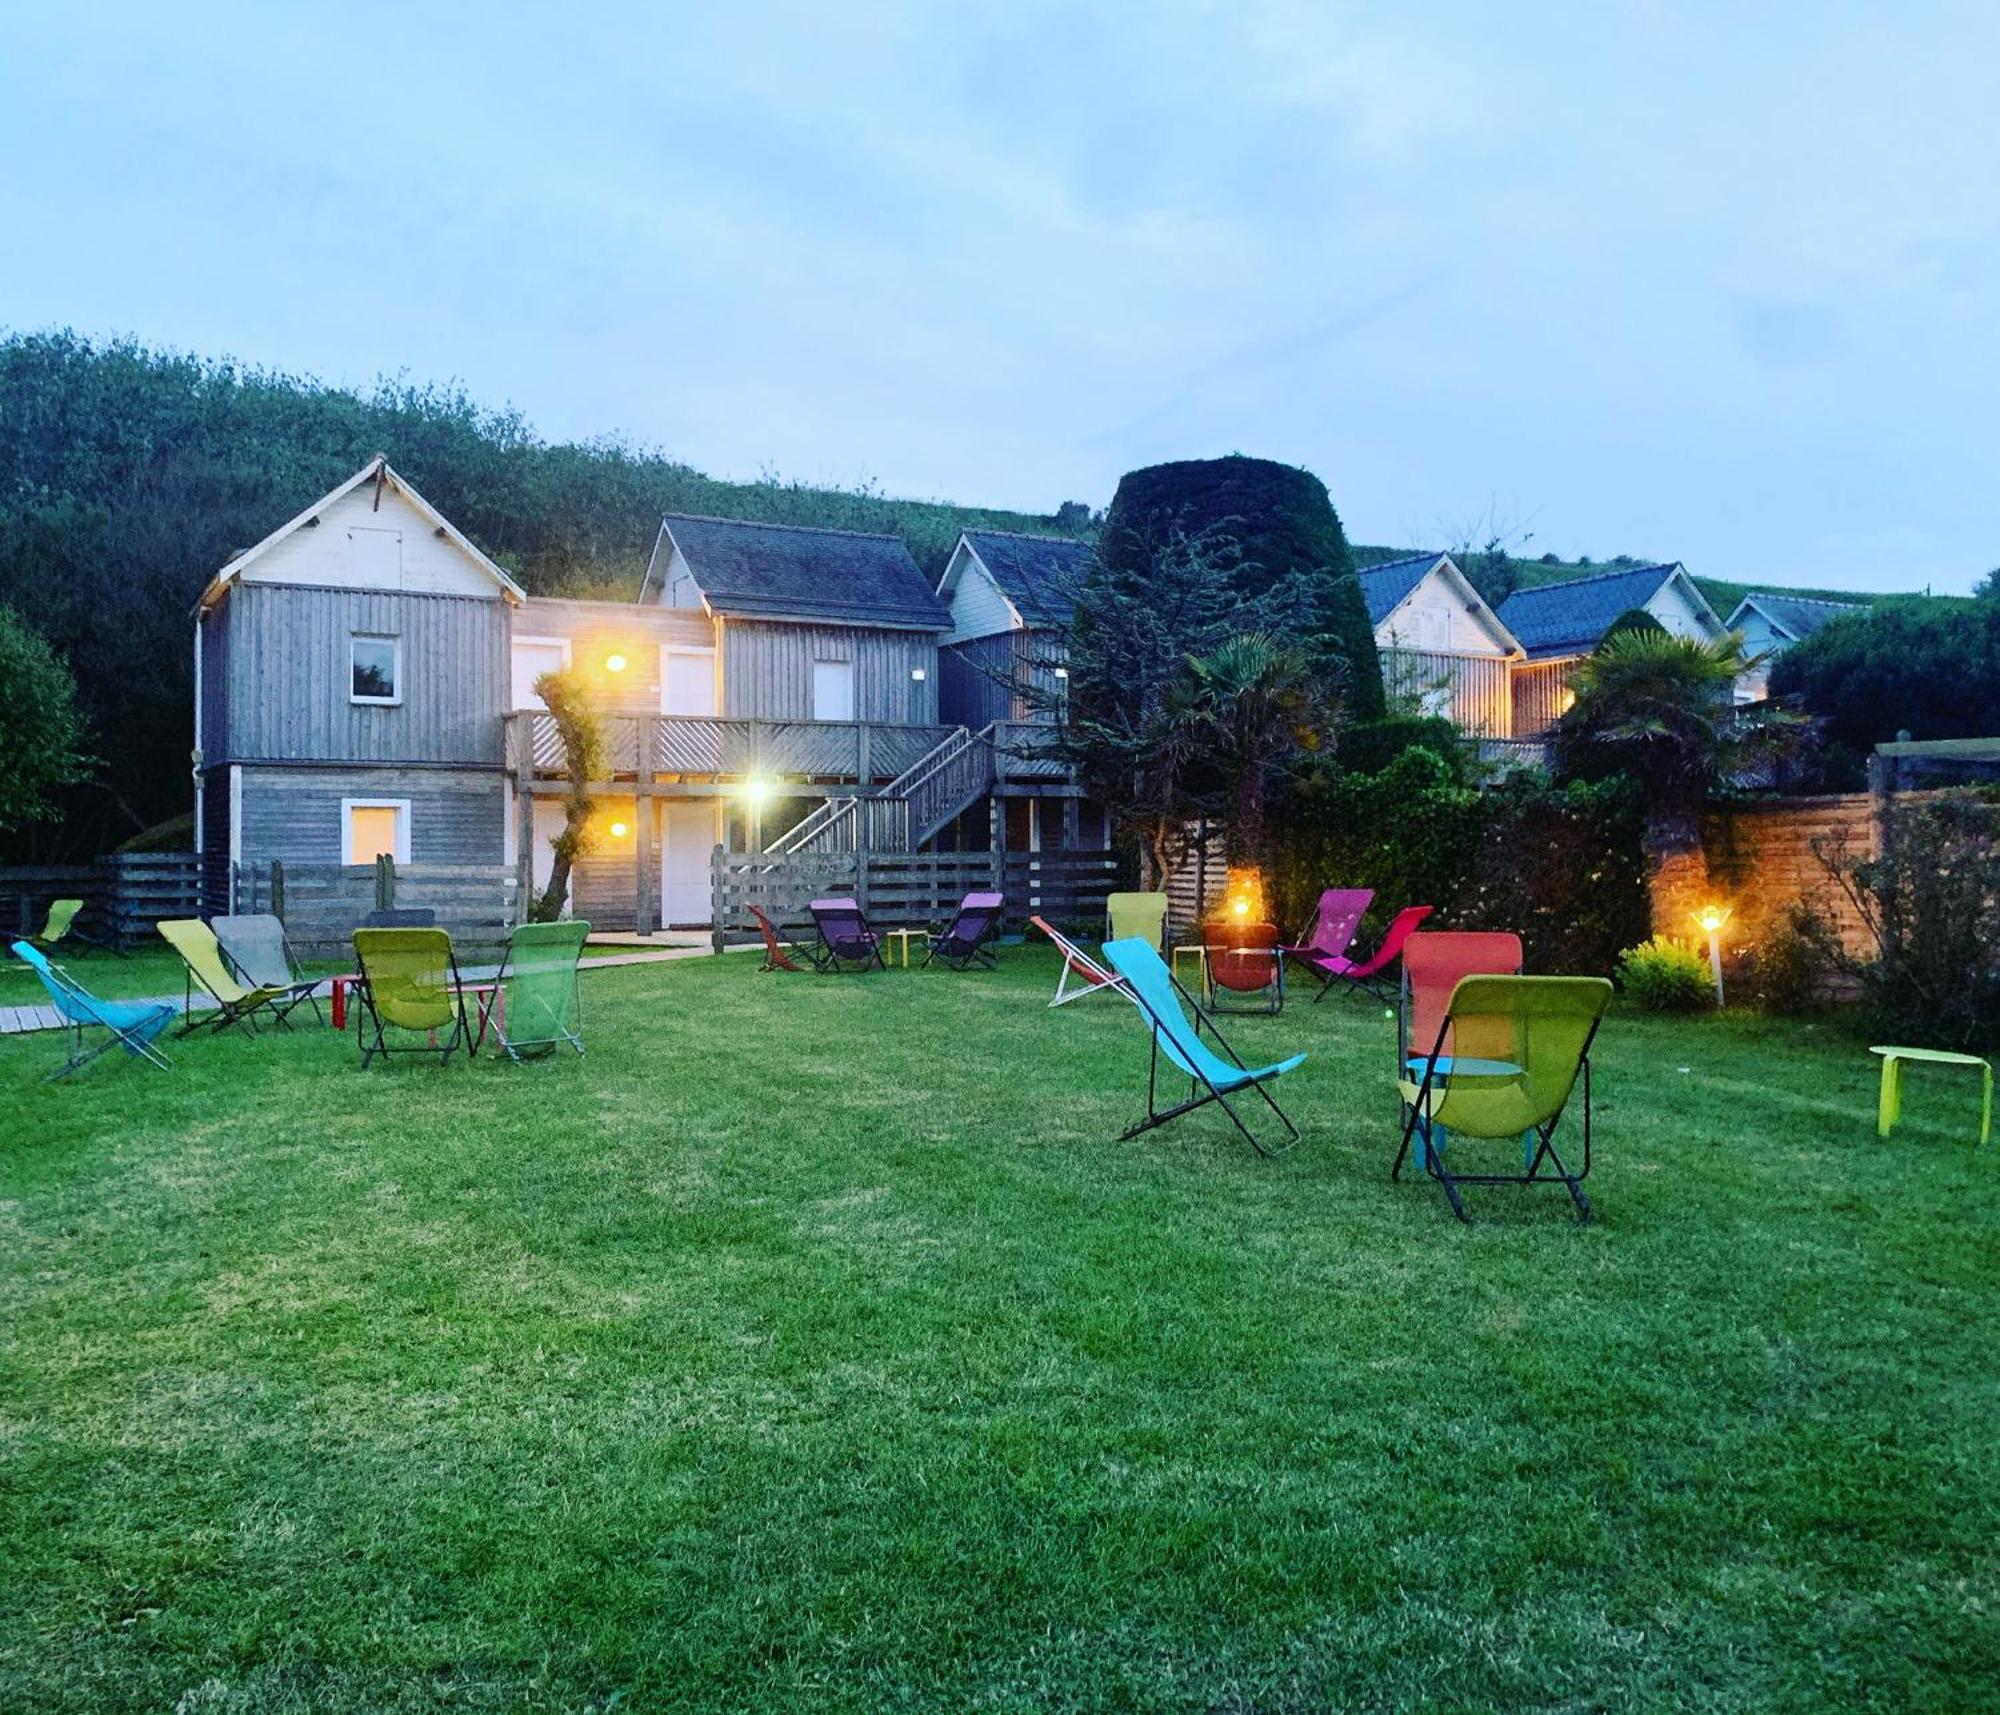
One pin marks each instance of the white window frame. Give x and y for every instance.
(667, 652)
(347, 808)
(395, 640)
(853, 687)
(562, 643)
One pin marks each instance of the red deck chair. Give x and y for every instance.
(1367, 974)
(1339, 915)
(1092, 978)
(1244, 959)
(779, 948)
(1433, 963)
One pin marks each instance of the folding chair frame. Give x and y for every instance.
(461, 1031)
(300, 993)
(979, 953)
(779, 947)
(1158, 1116)
(1545, 1146)
(1092, 977)
(539, 1046)
(1274, 991)
(830, 961)
(127, 1037)
(243, 1012)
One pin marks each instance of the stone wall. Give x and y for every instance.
(1764, 857)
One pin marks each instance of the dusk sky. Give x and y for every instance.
(1704, 282)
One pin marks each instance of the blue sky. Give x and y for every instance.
(1707, 282)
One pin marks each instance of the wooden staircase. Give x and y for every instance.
(913, 808)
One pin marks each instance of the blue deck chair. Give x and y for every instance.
(132, 1023)
(1155, 992)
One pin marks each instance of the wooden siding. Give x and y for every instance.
(978, 608)
(213, 642)
(356, 545)
(1541, 694)
(1475, 688)
(975, 676)
(767, 670)
(596, 630)
(456, 816)
(289, 677)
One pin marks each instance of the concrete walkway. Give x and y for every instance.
(20, 1020)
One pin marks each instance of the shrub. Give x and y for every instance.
(1790, 971)
(1368, 747)
(1664, 976)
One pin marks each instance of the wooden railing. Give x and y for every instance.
(862, 751)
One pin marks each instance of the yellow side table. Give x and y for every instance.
(1889, 1108)
(906, 936)
(1199, 953)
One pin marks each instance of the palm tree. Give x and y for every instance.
(1253, 704)
(1657, 709)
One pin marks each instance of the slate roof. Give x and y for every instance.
(794, 571)
(1385, 586)
(1038, 574)
(1800, 616)
(1570, 618)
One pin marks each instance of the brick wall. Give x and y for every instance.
(1762, 858)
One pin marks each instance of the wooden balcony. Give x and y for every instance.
(709, 747)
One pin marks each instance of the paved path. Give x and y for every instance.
(19, 1020)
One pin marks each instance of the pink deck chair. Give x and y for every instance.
(1368, 974)
(1092, 978)
(1339, 915)
(1434, 961)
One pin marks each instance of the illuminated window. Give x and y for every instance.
(374, 827)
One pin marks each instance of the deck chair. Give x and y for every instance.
(781, 952)
(1368, 974)
(1433, 962)
(129, 1024)
(409, 984)
(540, 1004)
(1211, 1078)
(965, 943)
(1092, 978)
(1334, 923)
(1518, 1047)
(257, 950)
(1143, 915)
(1244, 960)
(202, 963)
(846, 941)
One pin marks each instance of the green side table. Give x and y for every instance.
(1889, 1108)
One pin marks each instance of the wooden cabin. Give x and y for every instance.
(1770, 622)
(1440, 644)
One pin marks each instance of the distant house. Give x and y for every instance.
(1771, 622)
(1558, 625)
(1441, 643)
(1011, 597)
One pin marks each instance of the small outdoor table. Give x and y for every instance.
(1889, 1108)
(490, 1002)
(906, 936)
(1198, 951)
(338, 1017)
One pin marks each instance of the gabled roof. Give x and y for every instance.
(1387, 586)
(377, 467)
(1571, 618)
(1792, 616)
(1039, 575)
(794, 571)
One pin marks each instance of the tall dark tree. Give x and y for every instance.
(1285, 539)
(43, 747)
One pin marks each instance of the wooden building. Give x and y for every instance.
(1440, 645)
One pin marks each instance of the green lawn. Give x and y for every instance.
(813, 1346)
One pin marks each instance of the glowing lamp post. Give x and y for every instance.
(1710, 919)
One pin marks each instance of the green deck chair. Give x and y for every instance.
(235, 1001)
(410, 985)
(61, 929)
(1136, 915)
(1517, 1047)
(541, 1001)
(129, 1024)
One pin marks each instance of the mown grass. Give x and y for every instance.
(813, 1346)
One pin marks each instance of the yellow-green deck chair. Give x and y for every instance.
(540, 1004)
(409, 986)
(235, 1002)
(1136, 916)
(1517, 1046)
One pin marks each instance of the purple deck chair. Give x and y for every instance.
(844, 934)
(965, 942)
(1324, 952)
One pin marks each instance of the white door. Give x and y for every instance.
(688, 834)
(687, 682)
(833, 690)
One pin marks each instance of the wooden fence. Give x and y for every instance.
(907, 889)
(323, 904)
(123, 895)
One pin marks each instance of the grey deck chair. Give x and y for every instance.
(255, 944)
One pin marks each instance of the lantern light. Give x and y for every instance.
(1710, 919)
(614, 663)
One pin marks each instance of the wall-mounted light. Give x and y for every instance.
(619, 830)
(614, 663)
(918, 674)
(1062, 672)
(755, 790)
